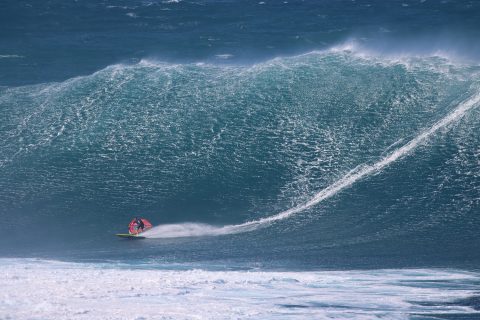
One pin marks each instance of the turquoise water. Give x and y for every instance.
(293, 136)
(224, 145)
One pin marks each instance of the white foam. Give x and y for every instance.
(224, 56)
(184, 230)
(10, 56)
(398, 55)
(33, 289)
(346, 181)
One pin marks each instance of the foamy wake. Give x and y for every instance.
(33, 289)
(363, 171)
(187, 230)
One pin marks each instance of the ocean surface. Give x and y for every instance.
(298, 159)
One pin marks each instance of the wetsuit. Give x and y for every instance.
(140, 224)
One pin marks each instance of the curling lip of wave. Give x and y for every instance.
(350, 46)
(195, 229)
(355, 47)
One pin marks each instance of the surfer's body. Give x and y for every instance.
(139, 225)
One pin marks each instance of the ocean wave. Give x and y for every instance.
(360, 172)
(204, 149)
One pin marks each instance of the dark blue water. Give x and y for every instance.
(217, 113)
(55, 40)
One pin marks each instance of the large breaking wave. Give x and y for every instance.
(347, 180)
(213, 150)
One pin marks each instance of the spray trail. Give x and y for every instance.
(186, 230)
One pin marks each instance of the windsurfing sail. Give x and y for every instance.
(134, 228)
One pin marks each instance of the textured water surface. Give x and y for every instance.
(299, 159)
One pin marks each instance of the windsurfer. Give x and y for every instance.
(139, 224)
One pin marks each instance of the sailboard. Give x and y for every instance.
(133, 231)
(129, 236)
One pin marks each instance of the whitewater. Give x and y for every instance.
(115, 291)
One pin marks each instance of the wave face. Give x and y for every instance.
(316, 158)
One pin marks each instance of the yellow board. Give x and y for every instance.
(129, 236)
